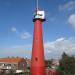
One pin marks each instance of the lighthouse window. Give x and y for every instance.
(36, 59)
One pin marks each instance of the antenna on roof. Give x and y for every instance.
(37, 4)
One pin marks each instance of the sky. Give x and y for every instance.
(16, 27)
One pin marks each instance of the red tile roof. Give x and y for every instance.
(11, 60)
(28, 60)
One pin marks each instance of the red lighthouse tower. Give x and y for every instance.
(37, 60)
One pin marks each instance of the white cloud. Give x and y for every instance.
(13, 29)
(25, 35)
(22, 35)
(60, 39)
(67, 6)
(61, 45)
(52, 49)
(52, 45)
(71, 20)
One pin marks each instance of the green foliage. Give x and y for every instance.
(67, 65)
(26, 73)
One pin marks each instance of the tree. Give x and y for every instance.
(67, 64)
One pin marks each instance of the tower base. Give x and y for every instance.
(37, 71)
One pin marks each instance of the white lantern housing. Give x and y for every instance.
(39, 15)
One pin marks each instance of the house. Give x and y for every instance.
(51, 66)
(16, 64)
(55, 62)
(28, 62)
(48, 63)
